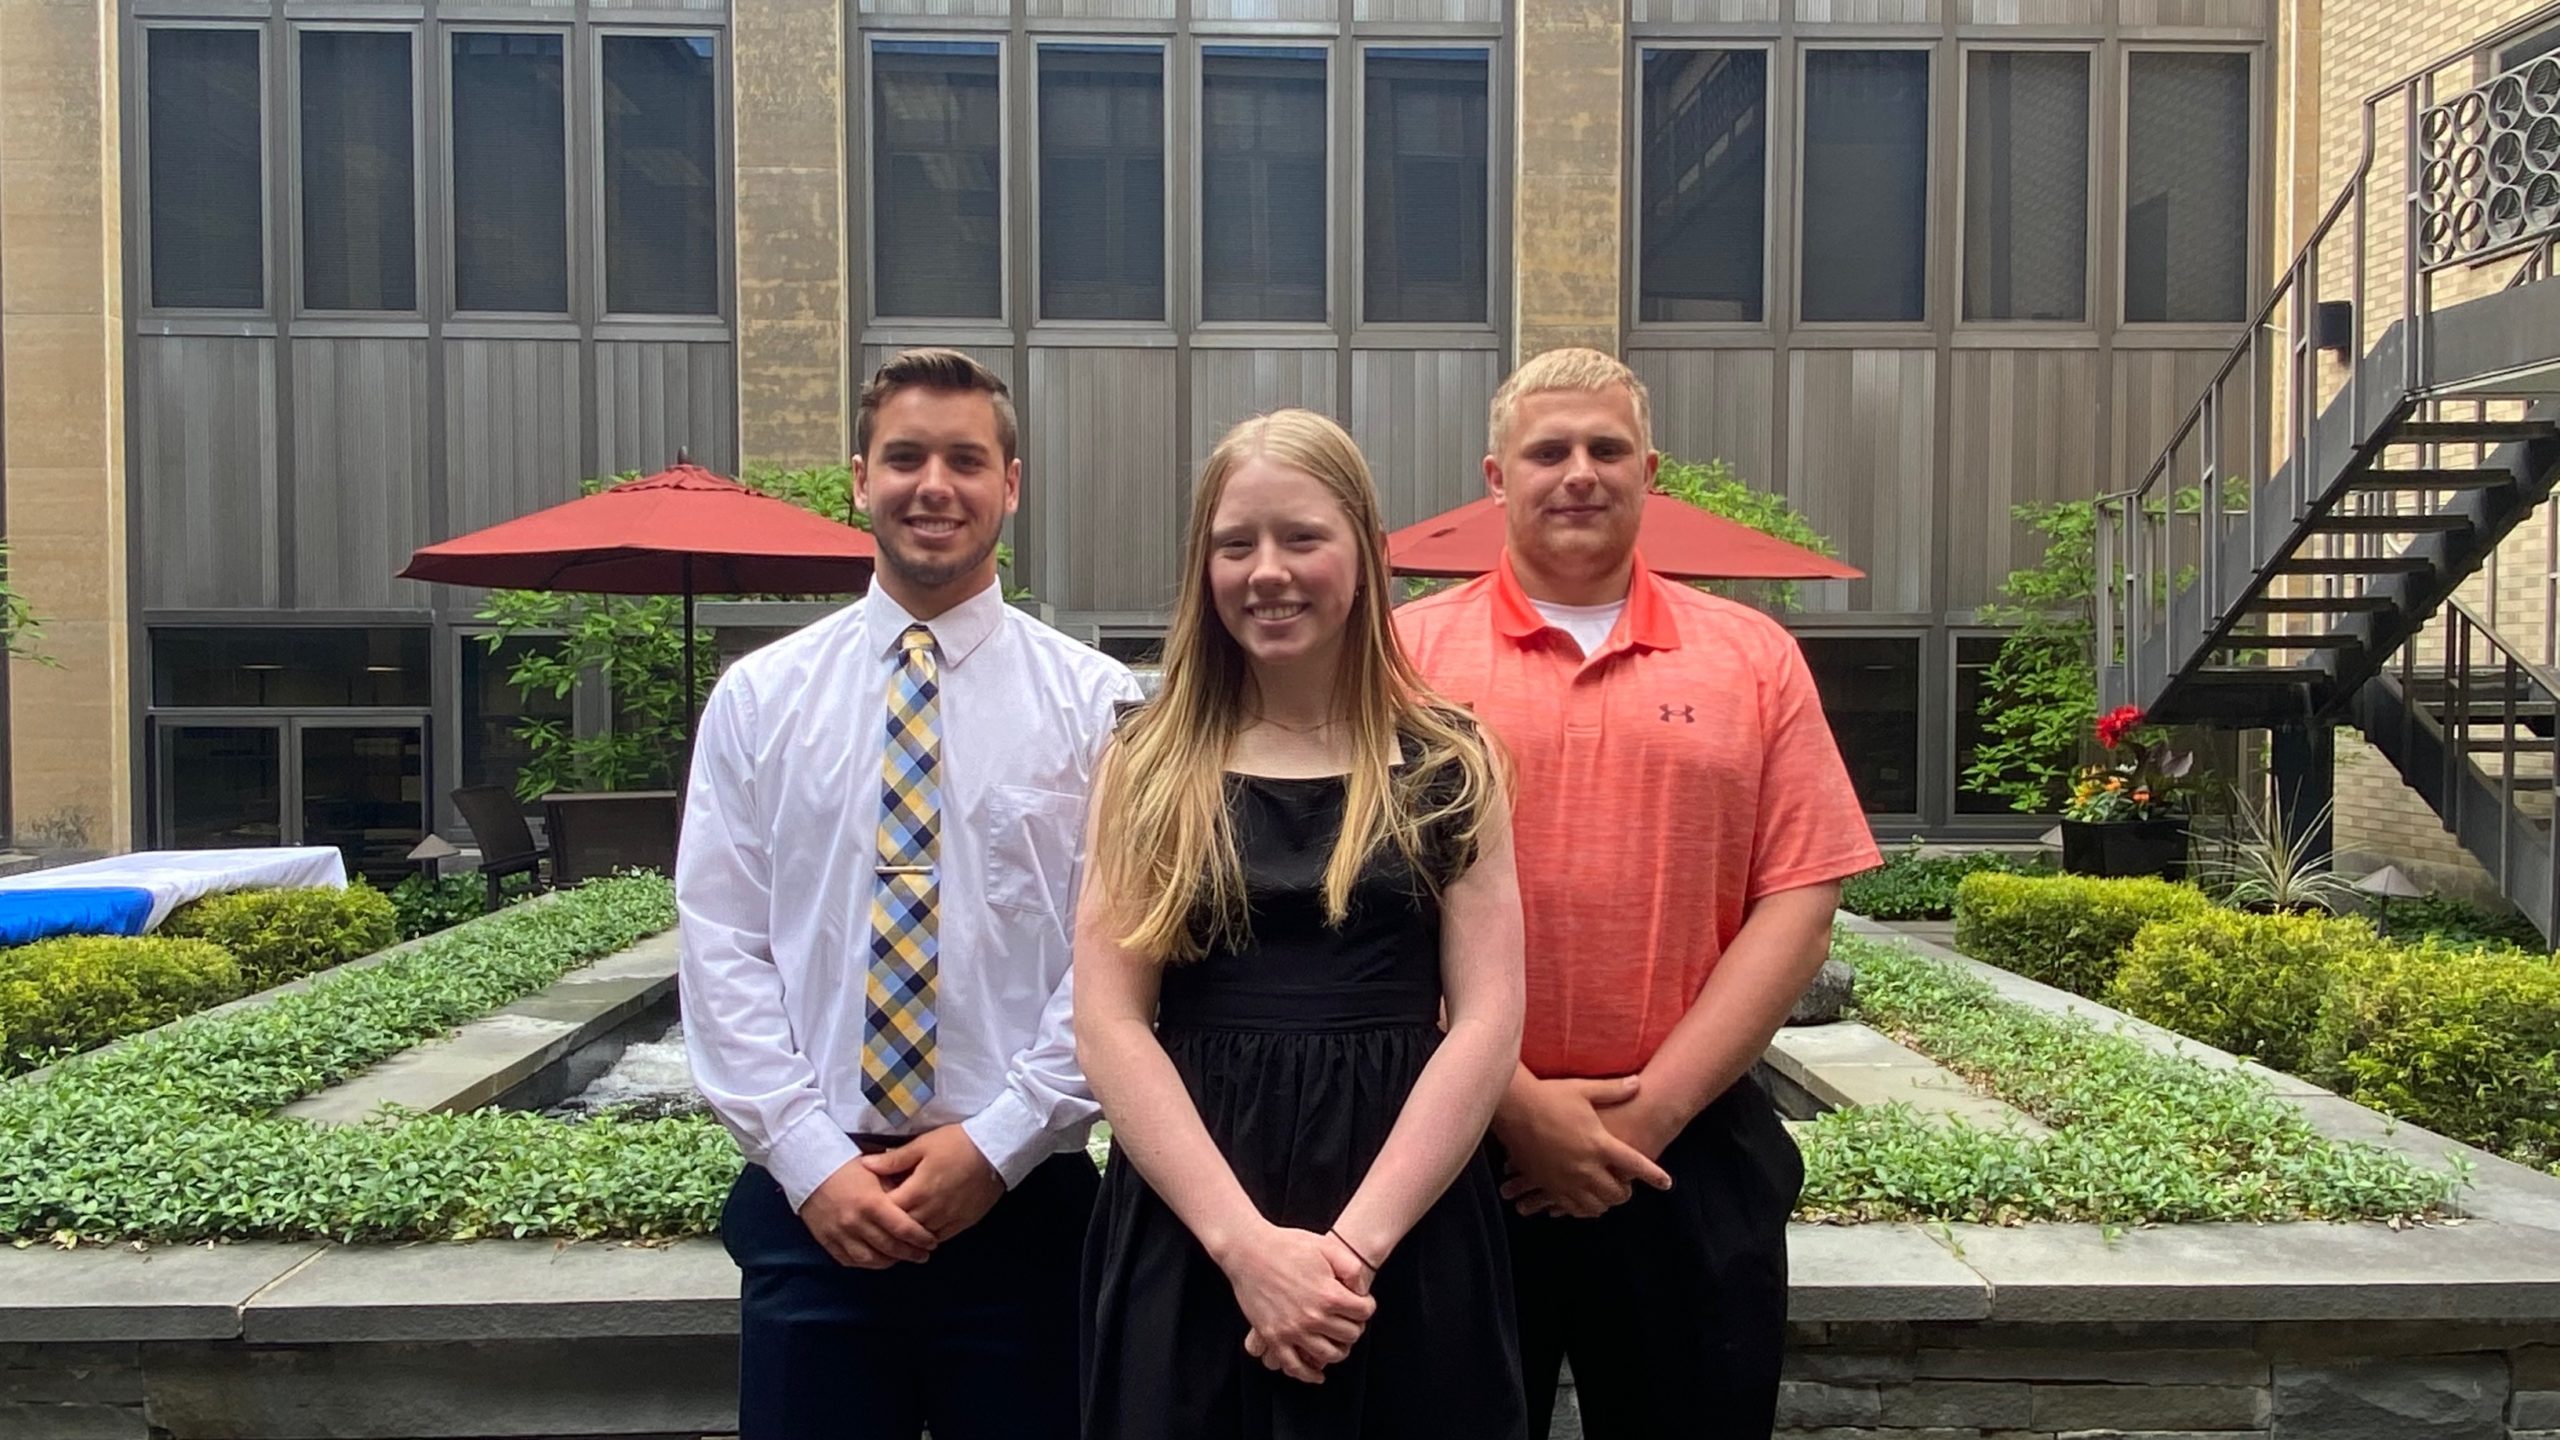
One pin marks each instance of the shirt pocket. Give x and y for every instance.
(1032, 841)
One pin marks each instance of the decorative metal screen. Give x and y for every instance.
(2492, 157)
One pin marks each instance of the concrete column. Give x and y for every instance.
(62, 403)
(1569, 182)
(796, 342)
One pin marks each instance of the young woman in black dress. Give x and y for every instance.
(1297, 997)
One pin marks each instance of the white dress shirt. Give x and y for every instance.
(774, 884)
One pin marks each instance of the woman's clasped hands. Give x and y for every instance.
(1305, 1298)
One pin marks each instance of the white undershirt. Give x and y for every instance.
(1589, 625)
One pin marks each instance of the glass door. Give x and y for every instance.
(222, 784)
(363, 788)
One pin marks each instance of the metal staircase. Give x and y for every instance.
(2320, 541)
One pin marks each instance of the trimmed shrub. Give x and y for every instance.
(2065, 930)
(2456, 922)
(2465, 1042)
(424, 907)
(2254, 985)
(281, 935)
(1913, 886)
(76, 991)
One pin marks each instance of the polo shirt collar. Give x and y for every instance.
(957, 631)
(1647, 624)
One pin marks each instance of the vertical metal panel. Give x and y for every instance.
(359, 471)
(1860, 467)
(207, 453)
(935, 8)
(1100, 435)
(1419, 415)
(2154, 391)
(1267, 10)
(1484, 12)
(2025, 432)
(1867, 12)
(1099, 9)
(512, 421)
(2195, 14)
(1713, 405)
(1228, 385)
(654, 397)
(2031, 12)
(1699, 12)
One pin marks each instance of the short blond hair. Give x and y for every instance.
(1571, 368)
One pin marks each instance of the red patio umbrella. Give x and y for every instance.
(1678, 539)
(683, 531)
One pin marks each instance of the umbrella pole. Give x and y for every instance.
(692, 700)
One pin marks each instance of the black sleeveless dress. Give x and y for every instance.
(1299, 1050)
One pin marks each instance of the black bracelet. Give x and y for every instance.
(1355, 1251)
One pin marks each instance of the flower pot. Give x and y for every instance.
(2126, 847)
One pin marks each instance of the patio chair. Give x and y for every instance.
(506, 842)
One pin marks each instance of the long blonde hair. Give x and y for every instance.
(1164, 844)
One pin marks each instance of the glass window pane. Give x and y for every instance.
(2026, 186)
(1702, 232)
(208, 227)
(1974, 654)
(2529, 47)
(359, 167)
(937, 179)
(661, 176)
(491, 709)
(290, 666)
(1871, 694)
(1866, 184)
(1102, 182)
(221, 786)
(364, 790)
(2186, 220)
(1425, 211)
(510, 173)
(1262, 183)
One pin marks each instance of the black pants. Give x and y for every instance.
(978, 1342)
(1673, 1306)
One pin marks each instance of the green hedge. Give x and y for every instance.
(2254, 985)
(2463, 1041)
(173, 1136)
(76, 991)
(424, 906)
(1913, 886)
(2137, 1135)
(2065, 930)
(281, 935)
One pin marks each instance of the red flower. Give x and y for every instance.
(2116, 724)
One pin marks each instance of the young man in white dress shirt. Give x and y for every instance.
(881, 848)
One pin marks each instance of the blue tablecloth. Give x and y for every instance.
(94, 910)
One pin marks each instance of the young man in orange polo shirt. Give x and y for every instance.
(1683, 822)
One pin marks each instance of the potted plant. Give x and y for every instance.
(2127, 814)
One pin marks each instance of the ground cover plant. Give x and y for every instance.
(171, 1136)
(2138, 1136)
(1911, 885)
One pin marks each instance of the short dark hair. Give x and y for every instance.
(933, 368)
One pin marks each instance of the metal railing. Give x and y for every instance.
(2167, 584)
(2487, 703)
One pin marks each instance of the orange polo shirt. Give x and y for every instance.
(1664, 783)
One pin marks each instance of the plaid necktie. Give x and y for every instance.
(897, 1050)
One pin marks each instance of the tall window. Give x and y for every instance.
(661, 176)
(1704, 197)
(359, 172)
(2026, 185)
(2186, 220)
(1866, 185)
(510, 172)
(1262, 187)
(1101, 182)
(208, 225)
(1871, 694)
(1425, 208)
(937, 167)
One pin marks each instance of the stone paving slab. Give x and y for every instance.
(175, 1292)
(1844, 1064)
(501, 1290)
(2300, 1271)
(492, 1055)
(1878, 1272)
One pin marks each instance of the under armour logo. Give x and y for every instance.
(1685, 714)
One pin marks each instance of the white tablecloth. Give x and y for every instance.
(175, 877)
